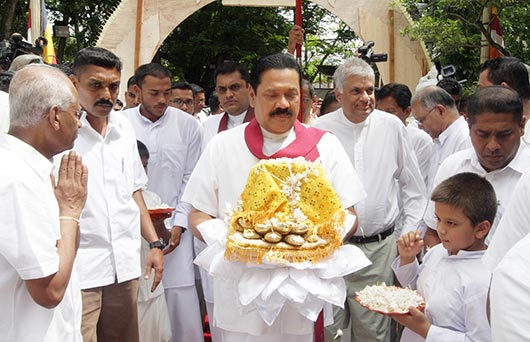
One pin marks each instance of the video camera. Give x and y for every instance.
(367, 54)
(16, 46)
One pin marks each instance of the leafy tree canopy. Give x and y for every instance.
(452, 30)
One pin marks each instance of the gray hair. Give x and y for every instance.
(34, 90)
(352, 66)
(431, 96)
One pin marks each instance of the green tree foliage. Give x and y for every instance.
(217, 33)
(452, 31)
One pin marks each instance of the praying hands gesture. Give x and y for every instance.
(409, 245)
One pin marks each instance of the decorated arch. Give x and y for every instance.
(138, 28)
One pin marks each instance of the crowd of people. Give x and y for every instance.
(437, 185)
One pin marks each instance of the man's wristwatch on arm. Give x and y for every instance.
(157, 244)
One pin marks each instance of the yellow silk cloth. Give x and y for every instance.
(280, 189)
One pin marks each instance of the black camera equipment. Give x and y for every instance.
(367, 54)
(16, 46)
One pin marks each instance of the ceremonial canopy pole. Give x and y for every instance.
(298, 52)
(138, 32)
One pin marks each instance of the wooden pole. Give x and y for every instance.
(391, 48)
(138, 32)
(298, 52)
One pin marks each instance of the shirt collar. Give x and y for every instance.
(451, 130)
(465, 254)
(519, 162)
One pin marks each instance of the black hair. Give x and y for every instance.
(131, 81)
(213, 102)
(497, 100)
(150, 69)
(451, 85)
(328, 100)
(510, 70)
(274, 61)
(5, 80)
(142, 149)
(95, 56)
(399, 92)
(471, 193)
(183, 85)
(228, 67)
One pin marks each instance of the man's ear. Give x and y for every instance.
(522, 125)
(338, 95)
(252, 96)
(137, 91)
(53, 117)
(74, 79)
(482, 229)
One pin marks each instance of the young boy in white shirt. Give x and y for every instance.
(452, 278)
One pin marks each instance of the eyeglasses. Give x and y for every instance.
(233, 88)
(422, 120)
(180, 102)
(79, 114)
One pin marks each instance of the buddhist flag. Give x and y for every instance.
(38, 25)
(496, 33)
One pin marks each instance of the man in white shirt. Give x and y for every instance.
(4, 112)
(221, 173)
(108, 260)
(510, 285)
(173, 139)
(509, 72)
(436, 113)
(376, 143)
(39, 225)
(496, 126)
(232, 87)
(182, 96)
(394, 98)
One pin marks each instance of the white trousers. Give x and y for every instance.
(184, 314)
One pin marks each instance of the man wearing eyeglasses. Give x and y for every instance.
(182, 97)
(232, 87)
(39, 225)
(173, 139)
(436, 113)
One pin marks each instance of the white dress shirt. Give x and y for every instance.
(384, 161)
(422, 145)
(509, 295)
(210, 127)
(174, 144)
(29, 230)
(502, 180)
(110, 222)
(219, 179)
(455, 288)
(514, 226)
(453, 139)
(4, 112)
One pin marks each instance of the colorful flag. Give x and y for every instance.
(39, 26)
(48, 53)
(496, 33)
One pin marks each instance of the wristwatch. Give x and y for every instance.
(157, 244)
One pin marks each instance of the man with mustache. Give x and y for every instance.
(221, 174)
(115, 214)
(376, 143)
(39, 225)
(173, 139)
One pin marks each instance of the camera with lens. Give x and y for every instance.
(367, 54)
(15, 46)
